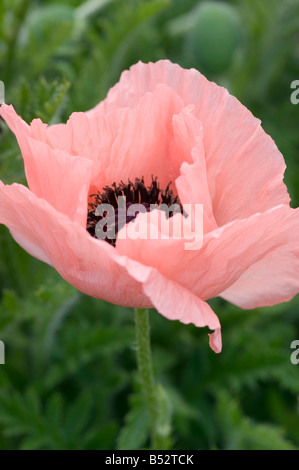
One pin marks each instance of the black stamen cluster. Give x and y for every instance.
(135, 193)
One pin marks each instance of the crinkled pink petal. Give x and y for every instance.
(271, 280)
(174, 301)
(52, 174)
(243, 244)
(141, 144)
(215, 340)
(226, 254)
(192, 184)
(93, 266)
(244, 167)
(86, 263)
(123, 144)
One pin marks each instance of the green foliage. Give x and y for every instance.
(134, 433)
(110, 44)
(239, 432)
(42, 99)
(69, 381)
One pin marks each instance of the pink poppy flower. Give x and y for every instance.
(174, 124)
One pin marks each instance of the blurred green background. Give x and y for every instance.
(69, 381)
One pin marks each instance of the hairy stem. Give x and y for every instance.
(145, 368)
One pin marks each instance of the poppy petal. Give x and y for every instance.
(235, 144)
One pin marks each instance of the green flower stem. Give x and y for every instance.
(145, 368)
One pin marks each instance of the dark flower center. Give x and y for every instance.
(105, 207)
